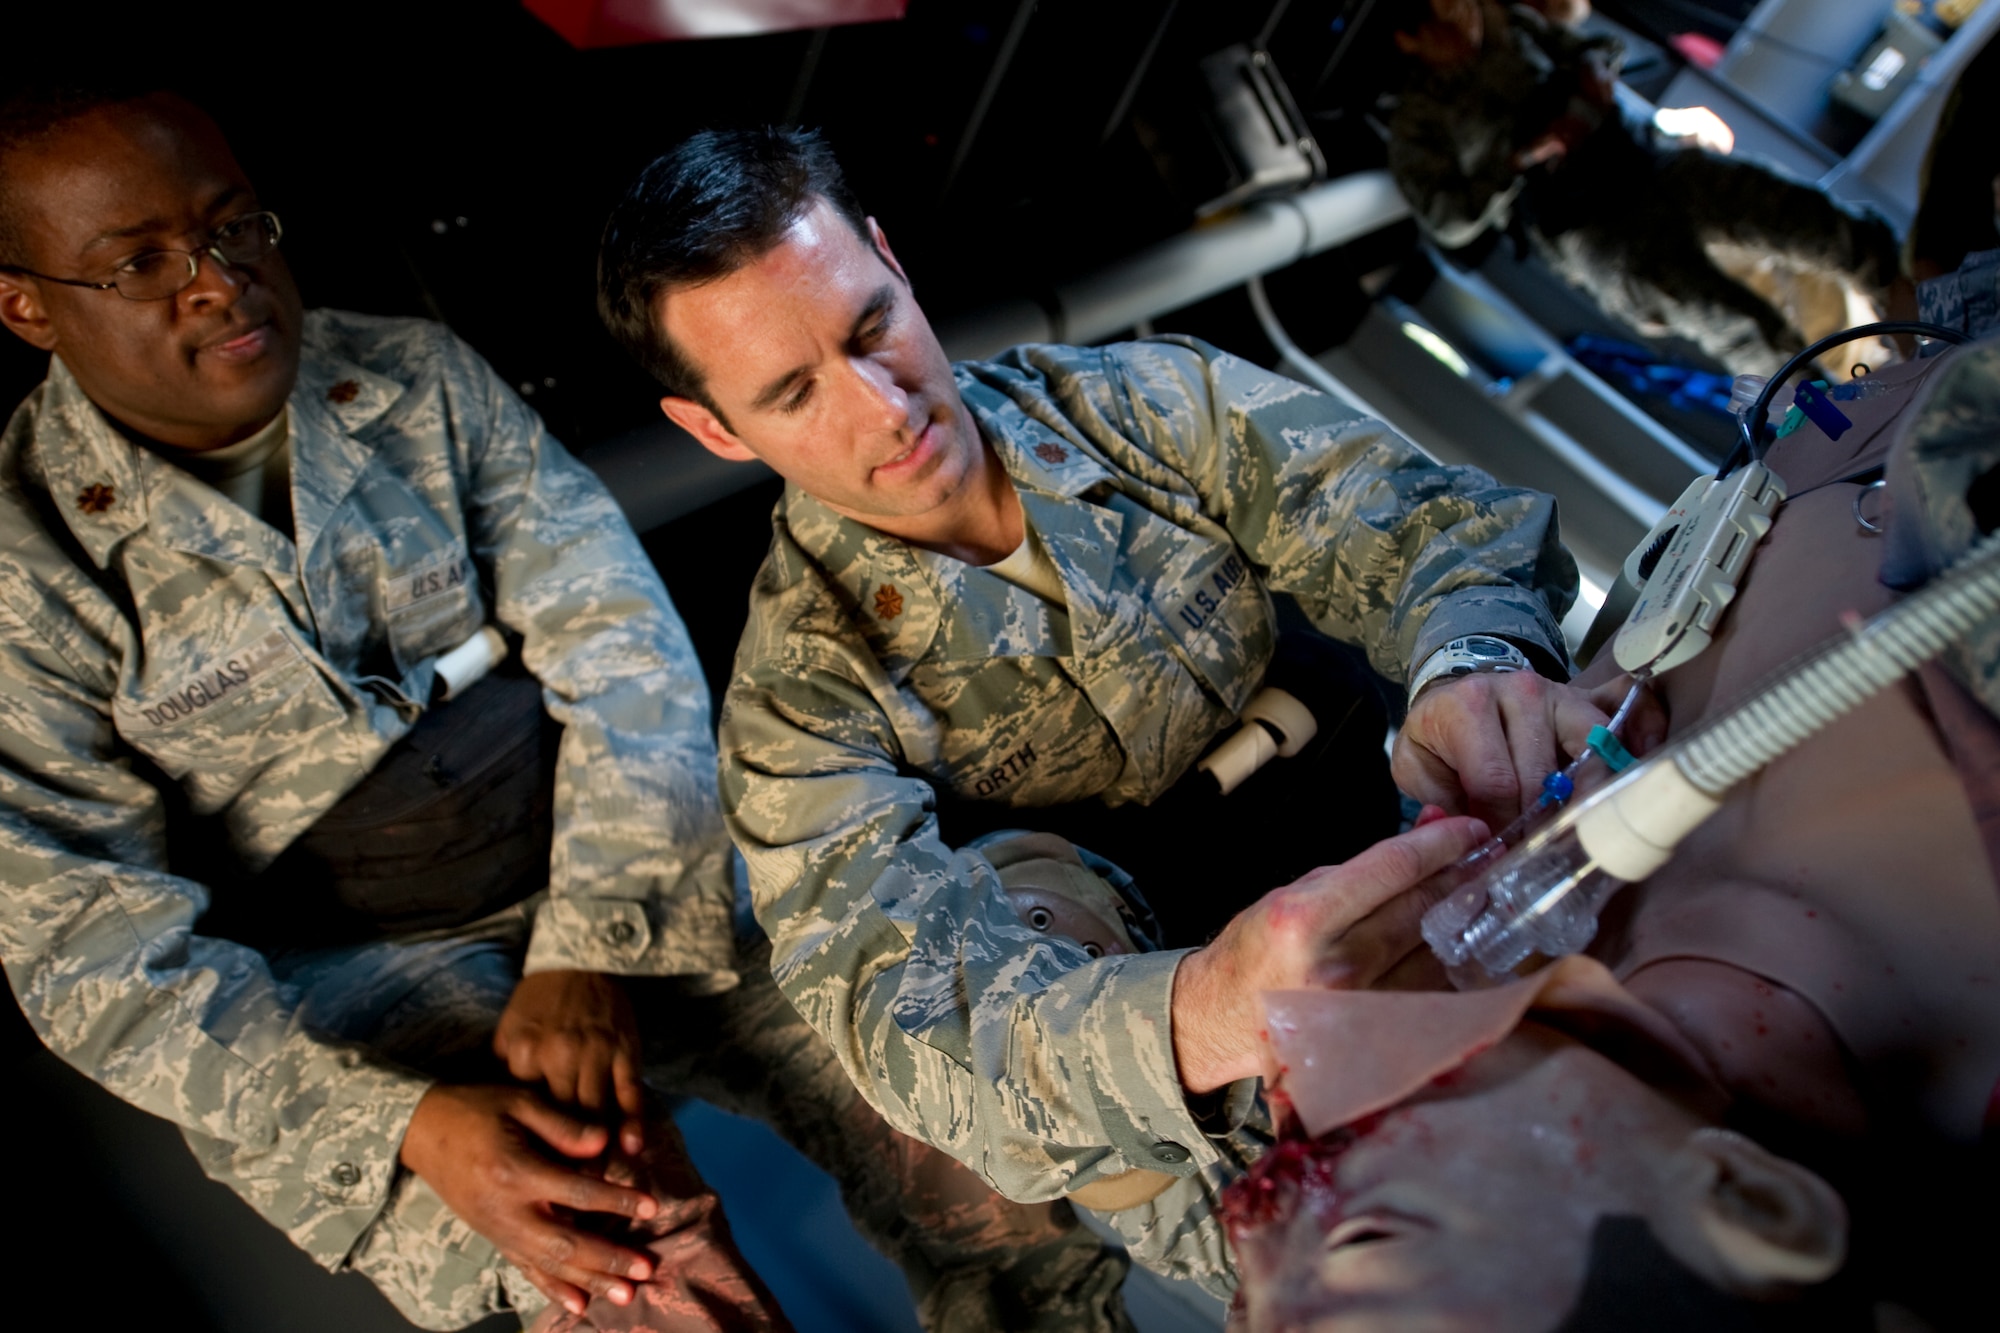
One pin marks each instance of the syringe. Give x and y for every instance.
(1560, 785)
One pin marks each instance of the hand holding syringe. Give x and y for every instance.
(1558, 787)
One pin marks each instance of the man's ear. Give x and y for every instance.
(21, 310)
(706, 427)
(1749, 1221)
(881, 240)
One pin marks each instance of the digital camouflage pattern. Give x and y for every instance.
(1967, 300)
(1174, 487)
(974, 1262)
(1624, 216)
(147, 623)
(1941, 487)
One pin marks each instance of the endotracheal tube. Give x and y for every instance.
(1543, 897)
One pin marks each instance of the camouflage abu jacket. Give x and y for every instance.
(1172, 485)
(144, 616)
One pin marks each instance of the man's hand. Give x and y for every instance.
(1481, 744)
(481, 1148)
(1341, 926)
(575, 1032)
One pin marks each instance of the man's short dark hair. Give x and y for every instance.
(31, 114)
(721, 200)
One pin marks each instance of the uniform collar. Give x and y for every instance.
(108, 488)
(888, 593)
(99, 481)
(905, 600)
(1035, 453)
(335, 405)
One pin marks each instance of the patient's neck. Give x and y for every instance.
(1765, 1044)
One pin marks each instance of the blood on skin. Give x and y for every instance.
(1295, 1171)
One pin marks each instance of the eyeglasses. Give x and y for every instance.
(154, 275)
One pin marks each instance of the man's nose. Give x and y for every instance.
(216, 281)
(884, 398)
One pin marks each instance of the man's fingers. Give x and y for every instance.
(1380, 941)
(1646, 725)
(591, 1262)
(1419, 970)
(1399, 863)
(1576, 715)
(585, 1193)
(1398, 879)
(631, 1100)
(571, 1298)
(524, 1058)
(565, 1133)
(558, 1257)
(625, 1077)
(1476, 745)
(1424, 776)
(1535, 713)
(593, 1071)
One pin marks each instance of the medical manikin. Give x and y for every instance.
(1758, 1098)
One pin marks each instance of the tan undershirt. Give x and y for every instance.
(256, 473)
(1028, 566)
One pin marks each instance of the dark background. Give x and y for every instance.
(456, 159)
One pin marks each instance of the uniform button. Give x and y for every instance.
(620, 932)
(346, 1175)
(1169, 1153)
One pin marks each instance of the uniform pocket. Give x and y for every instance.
(1216, 609)
(224, 714)
(432, 605)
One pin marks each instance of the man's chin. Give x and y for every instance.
(253, 388)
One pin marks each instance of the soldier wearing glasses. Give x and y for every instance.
(236, 538)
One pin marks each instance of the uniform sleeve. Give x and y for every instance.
(639, 879)
(100, 951)
(1038, 1067)
(1944, 494)
(1383, 548)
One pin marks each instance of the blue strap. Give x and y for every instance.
(1821, 410)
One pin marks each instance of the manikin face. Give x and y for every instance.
(1472, 1204)
(198, 370)
(824, 368)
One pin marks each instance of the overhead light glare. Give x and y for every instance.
(1437, 347)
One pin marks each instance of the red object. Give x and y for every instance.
(591, 23)
(1699, 50)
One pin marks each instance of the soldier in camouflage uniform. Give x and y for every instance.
(203, 631)
(1508, 119)
(1165, 489)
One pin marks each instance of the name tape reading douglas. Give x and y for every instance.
(215, 683)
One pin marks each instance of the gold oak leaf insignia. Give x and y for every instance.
(888, 602)
(344, 392)
(1051, 453)
(96, 499)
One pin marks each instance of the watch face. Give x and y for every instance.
(1486, 648)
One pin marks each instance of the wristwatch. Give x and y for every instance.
(1465, 656)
